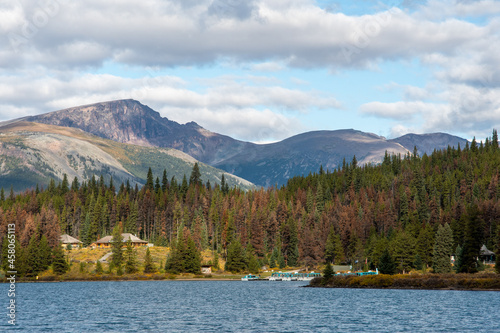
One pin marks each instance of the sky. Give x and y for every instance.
(261, 71)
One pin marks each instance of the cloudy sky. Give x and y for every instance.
(261, 70)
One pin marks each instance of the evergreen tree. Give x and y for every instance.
(44, 254)
(117, 246)
(253, 263)
(5, 254)
(215, 261)
(195, 178)
(281, 261)
(98, 267)
(157, 185)
(235, 257)
(174, 263)
(192, 257)
(403, 251)
(386, 263)
(418, 263)
(328, 272)
(184, 187)
(33, 257)
(334, 252)
(497, 263)
(164, 181)
(472, 240)
(292, 250)
(149, 180)
(458, 259)
(149, 267)
(59, 263)
(64, 184)
(131, 258)
(443, 248)
(184, 256)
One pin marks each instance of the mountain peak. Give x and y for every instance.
(130, 121)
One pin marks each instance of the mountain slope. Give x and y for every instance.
(304, 153)
(32, 153)
(129, 121)
(427, 143)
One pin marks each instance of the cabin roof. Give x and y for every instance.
(485, 251)
(125, 238)
(67, 239)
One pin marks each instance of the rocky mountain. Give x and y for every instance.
(427, 143)
(129, 121)
(275, 163)
(33, 153)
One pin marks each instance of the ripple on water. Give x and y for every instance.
(229, 306)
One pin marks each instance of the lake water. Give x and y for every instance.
(235, 306)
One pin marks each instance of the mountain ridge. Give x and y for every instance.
(33, 153)
(130, 121)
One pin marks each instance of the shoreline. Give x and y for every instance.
(460, 282)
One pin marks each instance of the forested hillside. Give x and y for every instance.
(350, 215)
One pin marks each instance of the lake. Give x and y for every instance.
(235, 306)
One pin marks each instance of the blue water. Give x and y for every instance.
(234, 306)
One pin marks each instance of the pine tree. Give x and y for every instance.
(175, 263)
(184, 187)
(497, 263)
(131, 258)
(149, 267)
(195, 178)
(404, 251)
(5, 254)
(443, 248)
(334, 252)
(59, 263)
(215, 261)
(458, 259)
(98, 267)
(386, 263)
(235, 257)
(164, 181)
(328, 272)
(150, 181)
(45, 254)
(33, 262)
(64, 184)
(472, 240)
(192, 257)
(418, 263)
(251, 259)
(116, 246)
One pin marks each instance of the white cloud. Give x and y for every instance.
(397, 110)
(158, 32)
(46, 47)
(236, 107)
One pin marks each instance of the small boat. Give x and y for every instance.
(249, 277)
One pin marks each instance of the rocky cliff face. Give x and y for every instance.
(129, 121)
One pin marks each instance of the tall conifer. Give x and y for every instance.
(443, 248)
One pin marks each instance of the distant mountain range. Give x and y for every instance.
(130, 122)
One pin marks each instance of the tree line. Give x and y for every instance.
(357, 215)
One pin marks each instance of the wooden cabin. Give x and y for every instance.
(206, 269)
(68, 240)
(487, 256)
(105, 242)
